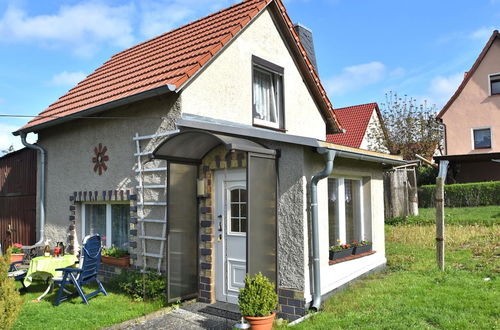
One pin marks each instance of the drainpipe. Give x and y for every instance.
(329, 157)
(41, 187)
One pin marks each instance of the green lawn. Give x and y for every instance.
(73, 314)
(412, 293)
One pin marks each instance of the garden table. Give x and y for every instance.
(44, 268)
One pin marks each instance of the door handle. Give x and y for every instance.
(220, 226)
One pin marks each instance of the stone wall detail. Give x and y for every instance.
(291, 304)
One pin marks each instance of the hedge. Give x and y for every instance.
(462, 194)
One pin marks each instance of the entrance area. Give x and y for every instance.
(230, 234)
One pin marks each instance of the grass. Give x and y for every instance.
(482, 215)
(102, 310)
(412, 293)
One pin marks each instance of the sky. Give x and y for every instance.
(364, 48)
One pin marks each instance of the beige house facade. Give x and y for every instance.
(472, 120)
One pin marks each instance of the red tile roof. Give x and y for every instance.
(170, 59)
(354, 120)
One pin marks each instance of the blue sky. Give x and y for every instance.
(364, 47)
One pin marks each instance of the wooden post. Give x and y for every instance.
(440, 222)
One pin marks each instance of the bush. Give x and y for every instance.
(10, 300)
(142, 286)
(462, 194)
(258, 298)
(426, 175)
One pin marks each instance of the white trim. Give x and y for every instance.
(489, 82)
(480, 128)
(266, 123)
(342, 235)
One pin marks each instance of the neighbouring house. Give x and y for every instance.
(472, 120)
(18, 198)
(196, 152)
(363, 128)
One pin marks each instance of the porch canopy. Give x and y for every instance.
(184, 152)
(192, 146)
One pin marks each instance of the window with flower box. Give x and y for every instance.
(109, 220)
(346, 211)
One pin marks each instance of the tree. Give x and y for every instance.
(410, 128)
(8, 150)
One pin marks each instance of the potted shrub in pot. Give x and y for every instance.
(258, 302)
(17, 252)
(361, 247)
(340, 251)
(115, 257)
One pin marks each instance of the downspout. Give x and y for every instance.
(329, 157)
(41, 187)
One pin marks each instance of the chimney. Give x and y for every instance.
(306, 38)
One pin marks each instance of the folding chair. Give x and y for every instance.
(90, 260)
(16, 273)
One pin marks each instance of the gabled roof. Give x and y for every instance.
(167, 62)
(470, 73)
(354, 120)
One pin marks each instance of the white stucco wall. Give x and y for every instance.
(334, 276)
(374, 135)
(224, 89)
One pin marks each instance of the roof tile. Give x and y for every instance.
(354, 120)
(171, 58)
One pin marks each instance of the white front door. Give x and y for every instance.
(230, 234)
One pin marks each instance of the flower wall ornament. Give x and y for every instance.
(100, 159)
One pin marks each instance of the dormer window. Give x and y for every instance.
(267, 94)
(495, 84)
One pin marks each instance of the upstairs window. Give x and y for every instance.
(495, 84)
(267, 94)
(482, 138)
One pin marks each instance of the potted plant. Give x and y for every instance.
(361, 247)
(115, 256)
(258, 301)
(340, 251)
(17, 252)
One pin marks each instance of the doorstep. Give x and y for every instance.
(223, 309)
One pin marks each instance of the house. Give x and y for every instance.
(18, 198)
(217, 129)
(363, 128)
(471, 119)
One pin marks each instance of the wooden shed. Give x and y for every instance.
(18, 197)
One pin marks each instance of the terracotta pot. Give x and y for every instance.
(123, 262)
(16, 257)
(261, 323)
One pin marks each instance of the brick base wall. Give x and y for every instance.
(108, 272)
(291, 304)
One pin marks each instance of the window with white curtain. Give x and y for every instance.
(267, 94)
(345, 211)
(108, 220)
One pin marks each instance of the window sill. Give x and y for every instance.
(352, 257)
(270, 127)
(482, 148)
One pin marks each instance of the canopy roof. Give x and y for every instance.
(192, 146)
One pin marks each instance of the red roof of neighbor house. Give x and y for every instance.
(171, 59)
(468, 75)
(354, 120)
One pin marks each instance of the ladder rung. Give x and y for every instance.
(154, 255)
(153, 238)
(143, 154)
(155, 203)
(153, 169)
(153, 186)
(152, 220)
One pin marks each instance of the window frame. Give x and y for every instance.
(473, 130)
(109, 226)
(341, 210)
(228, 212)
(490, 76)
(275, 70)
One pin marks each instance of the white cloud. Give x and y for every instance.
(7, 139)
(355, 77)
(442, 88)
(66, 78)
(483, 33)
(83, 27)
